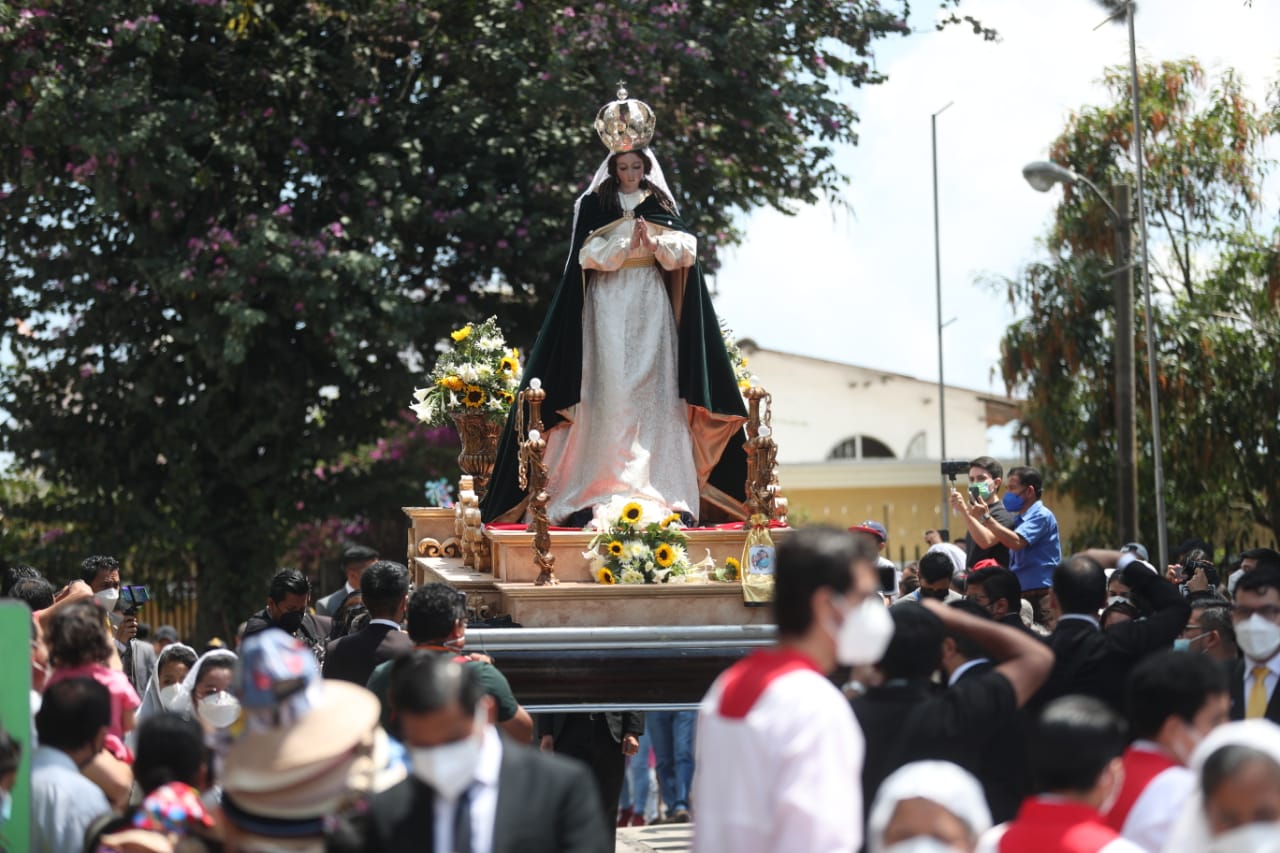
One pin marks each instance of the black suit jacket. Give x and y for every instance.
(353, 658)
(1240, 698)
(1097, 663)
(546, 804)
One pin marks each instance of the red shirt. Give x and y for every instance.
(1047, 825)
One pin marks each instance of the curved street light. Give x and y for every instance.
(1042, 175)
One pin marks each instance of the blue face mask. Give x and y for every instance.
(1012, 502)
(6, 806)
(1183, 644)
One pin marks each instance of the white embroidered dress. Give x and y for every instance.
(629, 434)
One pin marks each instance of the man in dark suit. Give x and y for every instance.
(1256, 620)
(385, 589)
(973, 722)
(355, 560)
(602, 742)
(1094, 662)
(472, 790)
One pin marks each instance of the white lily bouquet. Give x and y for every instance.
(479, 373)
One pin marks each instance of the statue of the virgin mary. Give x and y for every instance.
(641, 401)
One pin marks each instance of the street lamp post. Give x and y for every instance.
(1042, 176)
(937, 277)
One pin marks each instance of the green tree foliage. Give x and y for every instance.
(1215, 267)
(212, 211)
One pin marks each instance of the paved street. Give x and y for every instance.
(676, 838)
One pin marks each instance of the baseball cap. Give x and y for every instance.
(1136, 548)
(874, 528)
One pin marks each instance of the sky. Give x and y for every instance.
(868, 278)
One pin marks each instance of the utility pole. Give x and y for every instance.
(937, 275)
(1125, 372)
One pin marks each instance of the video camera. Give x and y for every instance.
(133, 597)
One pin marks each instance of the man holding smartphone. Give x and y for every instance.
(980, 543)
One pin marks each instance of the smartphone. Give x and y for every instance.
(134, 597)
(979, 492)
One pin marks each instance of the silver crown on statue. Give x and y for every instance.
(625, 124)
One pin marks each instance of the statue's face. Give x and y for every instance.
(630, 171)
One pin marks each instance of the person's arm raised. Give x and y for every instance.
(1023, 659)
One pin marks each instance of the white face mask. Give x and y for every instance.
(1258, 638)
(1250, 838)
(864, 634)
(170, 695)
(921, 844)
(1117, 599)
(107, 597)
(219, 709)
(450, 768)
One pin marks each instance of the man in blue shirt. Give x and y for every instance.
(72, 724)
(1034, 548)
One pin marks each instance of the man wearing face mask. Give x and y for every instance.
(138, 658)
(1209, 632)
(777, 750)
(1034, 547)
(472, 789)
(286, 609)
(1174, 700)
(935, 571)
(1256, 619)
(1075, 749)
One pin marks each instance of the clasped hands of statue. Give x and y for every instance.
(642, 234)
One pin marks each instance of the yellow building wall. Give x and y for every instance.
(906, 511)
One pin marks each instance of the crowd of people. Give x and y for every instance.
(994, 697)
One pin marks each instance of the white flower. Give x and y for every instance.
(454, 402)
(468, 373)
(420, 394)
(332, 392)
(484, 371)
(676, 579)
(425, 410)
(631, 576)
(637, 551)
(497, 404)
(494, 344)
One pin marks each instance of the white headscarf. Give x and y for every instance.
(151, 702)
(1191, 832)
(656, 177)
(187, 704)
(941, 782)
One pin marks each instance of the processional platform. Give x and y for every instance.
(510, 588)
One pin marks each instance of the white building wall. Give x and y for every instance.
(818, 404)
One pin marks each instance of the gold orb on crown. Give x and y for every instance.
(625, 124)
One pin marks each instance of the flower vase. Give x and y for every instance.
(479, 447)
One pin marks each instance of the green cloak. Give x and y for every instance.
(705, 374)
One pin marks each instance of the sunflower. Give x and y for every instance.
(508, 397)
(453, 383)
(732, 564)
(615, 548)
(674, 518)
(509, 365)
(632, 512)
(665, 555)
(604, 576)
(461, 334)
(474, 397)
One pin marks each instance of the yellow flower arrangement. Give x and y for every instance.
(635, 547)
(730, 571)
(604, 576)
(478, 373)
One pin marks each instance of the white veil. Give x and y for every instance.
(656, 177)
(193, 675)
